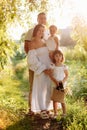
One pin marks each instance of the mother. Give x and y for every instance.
(39, 62)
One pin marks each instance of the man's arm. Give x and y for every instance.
(28, 38)
(26, 46)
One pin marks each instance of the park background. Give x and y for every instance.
(16, 17)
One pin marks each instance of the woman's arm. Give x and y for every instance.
(49, 72)
(54, 80)
(34, 63)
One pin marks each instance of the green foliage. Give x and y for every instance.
(7, 46)
(14, 105)
(13, 88)
(76, 118)
(40, 5)
(78, 78)
(77, 61)
(77, 53)
(11, 11)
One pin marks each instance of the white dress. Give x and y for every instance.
(51, 44)
(59, 74)
(38, 61)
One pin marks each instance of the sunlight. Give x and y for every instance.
(81, 7)
(15, 31)
(62, 17)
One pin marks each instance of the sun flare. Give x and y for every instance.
(60, 15)
(63, 16)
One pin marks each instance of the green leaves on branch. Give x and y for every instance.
(7, 49)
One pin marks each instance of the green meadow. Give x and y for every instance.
(14, 88)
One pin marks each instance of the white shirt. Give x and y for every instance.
(28, 35)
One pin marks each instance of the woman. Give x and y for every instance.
(39, 62)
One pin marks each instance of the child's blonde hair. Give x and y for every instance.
(53, 27)
(60, 53)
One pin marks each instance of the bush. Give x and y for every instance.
(77, 80)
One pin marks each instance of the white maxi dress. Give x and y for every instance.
(38, 61)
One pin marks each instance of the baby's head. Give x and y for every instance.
(53, 30)
(58, 57)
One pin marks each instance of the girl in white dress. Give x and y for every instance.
(39, 62)
(60, 73)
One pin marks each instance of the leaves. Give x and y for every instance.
(11, 12)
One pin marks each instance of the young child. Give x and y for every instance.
(52, 42)
(60, 73)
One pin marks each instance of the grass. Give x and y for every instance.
(14, 88)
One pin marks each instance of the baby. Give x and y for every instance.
(52, 42)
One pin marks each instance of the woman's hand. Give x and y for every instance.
(48, 72)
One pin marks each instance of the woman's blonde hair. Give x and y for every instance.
(60, 53)
(36, 29)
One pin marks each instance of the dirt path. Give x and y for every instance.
(45, 124)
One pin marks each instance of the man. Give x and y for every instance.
(41, 19)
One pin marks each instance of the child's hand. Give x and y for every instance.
(58, 83)
(63, 81)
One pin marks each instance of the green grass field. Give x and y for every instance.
(14, 87)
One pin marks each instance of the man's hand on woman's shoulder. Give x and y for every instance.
(31, 46)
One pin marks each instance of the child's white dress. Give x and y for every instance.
(51, 44)
(59, 75)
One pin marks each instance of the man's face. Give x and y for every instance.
(42, 19)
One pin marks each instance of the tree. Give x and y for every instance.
(7, 14)
(10, 11)
(13, 11)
